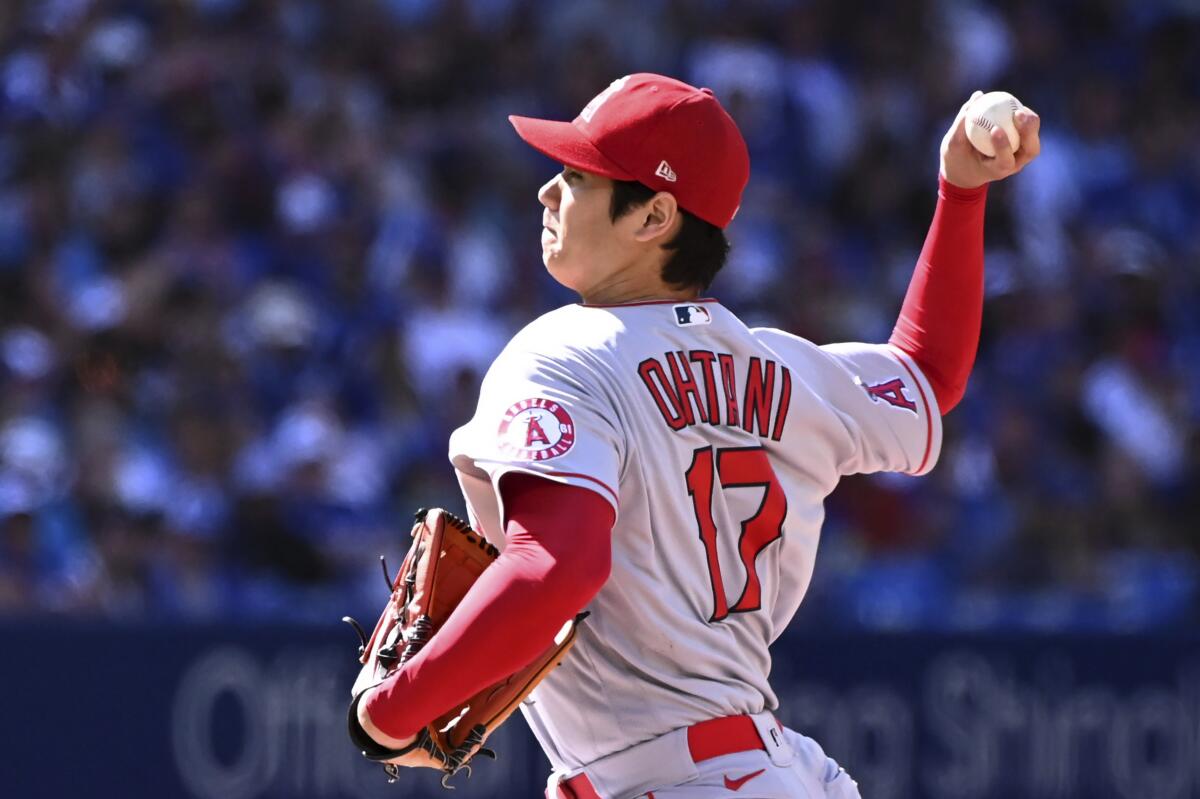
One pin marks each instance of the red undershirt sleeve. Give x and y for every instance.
(939, 321)
(557, 556)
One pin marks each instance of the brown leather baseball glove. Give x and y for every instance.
(445, 559)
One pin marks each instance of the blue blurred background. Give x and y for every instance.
(255, 256)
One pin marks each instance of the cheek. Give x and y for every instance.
(569, 257)
(572, 230)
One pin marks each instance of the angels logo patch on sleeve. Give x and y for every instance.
(536, 430)
(893, 392)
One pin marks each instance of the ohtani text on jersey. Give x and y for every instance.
(683, 399)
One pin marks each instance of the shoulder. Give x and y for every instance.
(825, 367)
(570, 328)
(572, 332)
(788, 345)
(840, 357)
(568, 343)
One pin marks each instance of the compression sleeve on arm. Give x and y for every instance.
(557, 557)
(939, 321)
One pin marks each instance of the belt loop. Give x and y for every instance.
(554, 789)
(577, 787)
(771, 732)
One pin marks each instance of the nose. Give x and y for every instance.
(550, 193)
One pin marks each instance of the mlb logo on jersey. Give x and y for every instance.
(536, 430)
(686, 315)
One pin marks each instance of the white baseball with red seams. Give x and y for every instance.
(988, 112)
(716, 444)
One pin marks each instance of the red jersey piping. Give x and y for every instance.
(647, 302)
(601, 483)
(928, 414)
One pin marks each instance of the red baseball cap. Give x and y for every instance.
(658, 131)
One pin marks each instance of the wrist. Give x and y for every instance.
(373, 732)
(952, 191)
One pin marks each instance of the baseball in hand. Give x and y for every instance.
(988, 112)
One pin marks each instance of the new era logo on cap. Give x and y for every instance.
(665, 172)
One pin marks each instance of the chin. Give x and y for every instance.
(561, 273)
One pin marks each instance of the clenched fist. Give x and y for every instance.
(965, 167)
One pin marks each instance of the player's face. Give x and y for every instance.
(581, 245)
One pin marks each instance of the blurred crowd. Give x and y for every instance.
(255, 255)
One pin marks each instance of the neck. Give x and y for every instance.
(625, 288)
(624, 298)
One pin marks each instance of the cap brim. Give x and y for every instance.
(564, 143)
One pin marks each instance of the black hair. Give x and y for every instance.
(700, 247)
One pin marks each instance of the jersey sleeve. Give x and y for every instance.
(543, 415)
(888, 405)
(883, 402)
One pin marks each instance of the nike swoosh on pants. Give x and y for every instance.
(736, 785)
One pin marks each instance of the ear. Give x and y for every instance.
(659, 218)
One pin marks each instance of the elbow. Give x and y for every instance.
(564, 533)
(596, 573)
(576, 573)
(948, 386)
(584, 572)
(949, 396)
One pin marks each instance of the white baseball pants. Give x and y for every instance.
(791, 766)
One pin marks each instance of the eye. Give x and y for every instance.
(571, 175)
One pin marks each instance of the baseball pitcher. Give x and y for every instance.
(646, 458)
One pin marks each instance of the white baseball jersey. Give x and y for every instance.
(716, 444)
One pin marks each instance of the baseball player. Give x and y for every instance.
(645, 455)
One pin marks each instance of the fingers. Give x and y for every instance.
(962, 113)
(958, 131)
(1029, 125)
(1027, 121)
(1004, 161)
(957, 135)
(963, 110)
(965, 166)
